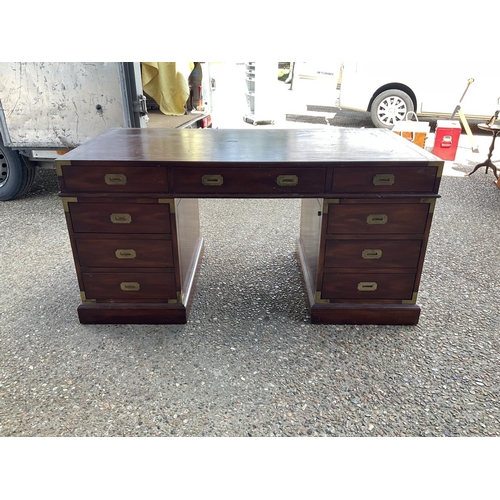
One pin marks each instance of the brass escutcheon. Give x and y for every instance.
(369, 253)
(287, 180)
(212, 180)
(121, 218)
(125, 254)
(383, 180)
(376, 219)
(367, 286)
(115, 179)
(130, 286)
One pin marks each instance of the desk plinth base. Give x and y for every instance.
(137, 314)
(365, 314)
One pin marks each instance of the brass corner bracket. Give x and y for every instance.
(319, 300)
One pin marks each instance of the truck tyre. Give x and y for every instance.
(16, 177)
(390, 107)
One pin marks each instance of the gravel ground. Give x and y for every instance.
(249, 363)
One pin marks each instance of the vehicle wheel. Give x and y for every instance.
(15, 176)
(390, 107)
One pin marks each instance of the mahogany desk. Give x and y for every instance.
(131, 202)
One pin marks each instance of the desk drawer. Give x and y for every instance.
(130, 286)
(372, 254)
(125, 252)
(120, 218)
(384, 179)
(377, 218)
(214, 180)
(368, 286)
(104, 179)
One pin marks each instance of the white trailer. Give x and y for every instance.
(49, 108)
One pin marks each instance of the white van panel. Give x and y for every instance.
(437, 87)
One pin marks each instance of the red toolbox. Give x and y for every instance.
(446, 139)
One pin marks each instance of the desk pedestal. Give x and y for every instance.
(362, 258)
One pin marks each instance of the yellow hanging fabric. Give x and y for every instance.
(166, 83)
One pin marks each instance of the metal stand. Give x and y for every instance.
(495, 129)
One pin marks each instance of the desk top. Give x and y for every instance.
(330, 144)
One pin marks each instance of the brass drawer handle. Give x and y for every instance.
(287, 180)
(367, 286)
(212, 180)
(115, 179)
(371, 254)
(125, 254)
(130, 286)
(383, 180)
(121, 218)
(376, 219)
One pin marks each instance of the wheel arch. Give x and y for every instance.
(396, 86)
(2, 137)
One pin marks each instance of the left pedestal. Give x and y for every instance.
(136, 258)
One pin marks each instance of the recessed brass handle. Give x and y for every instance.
(125, 254)
(130, 286)
(287, 180)
(383, 180)
(121, 218)
(367, 286)
(369, 253)
(115, 179)
(376, 219)
(212, 180)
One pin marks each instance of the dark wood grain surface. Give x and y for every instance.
(267, 146)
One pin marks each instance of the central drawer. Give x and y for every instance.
(215, 180)
(120, 217)
(130, 286)
(125, 252)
